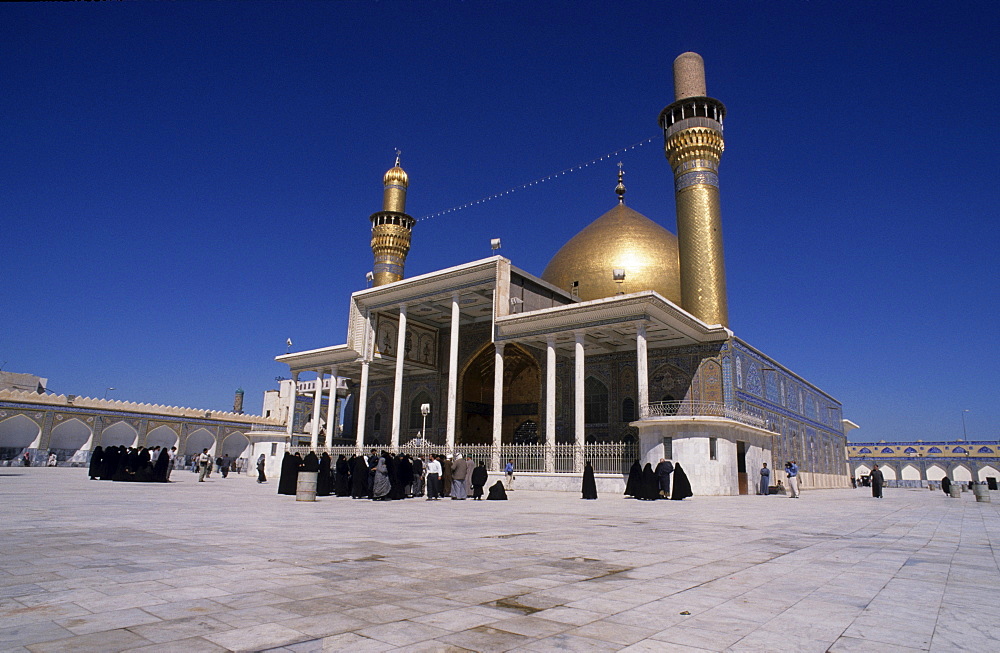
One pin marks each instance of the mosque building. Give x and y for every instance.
(623, 341)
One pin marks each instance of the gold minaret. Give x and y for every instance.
(692, 132)
(391, 228)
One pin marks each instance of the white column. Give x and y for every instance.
(331, 407)
(579, 430)
(642, 368)
(452, 374)
(550, 404)
(291, 405)
(317, 406)
(397, 392)
(497, 404)
(362, 405)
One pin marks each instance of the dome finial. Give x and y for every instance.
(620, 188)
(399, 153)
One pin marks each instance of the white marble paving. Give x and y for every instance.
(229, 565)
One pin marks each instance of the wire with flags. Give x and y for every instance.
(541, 180)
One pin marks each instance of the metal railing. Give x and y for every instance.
(604, 457)
(748, 415)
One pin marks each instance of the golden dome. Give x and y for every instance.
(396, 176)
(621, 239)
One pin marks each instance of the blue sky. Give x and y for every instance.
(183, 186)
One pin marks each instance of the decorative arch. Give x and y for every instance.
(987, 471)
(18, 432)
(935, 473)
(910, 473)
(909, 450)
(119, 434)
(984, 450)
(668, 383)
(934, 450)
(886, 450)
(888, 473)
(865, 450)
(960, 450)
(526, 432)
(862, 470)
(522, 391)
(961, 473)
(595, 401)
(161, 436)
(199, 439)
(72, 434)
(235, 444)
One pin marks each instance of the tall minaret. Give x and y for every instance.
(692, 132)
(391, 228)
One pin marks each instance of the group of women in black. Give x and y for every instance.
(382, 477)
(643, 483)
(137, 464)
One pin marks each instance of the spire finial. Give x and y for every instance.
(399, 153)
(620, 188)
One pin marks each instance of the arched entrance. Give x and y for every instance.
(961, 473)
(935, 473)
(68, 438)
(161, 436)
(198, 440)
(17, 433)
(234, 445)
(911, 473)
(119, 434)
(521, 394)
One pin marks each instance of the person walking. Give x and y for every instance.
(765, 479)
(479, 478)
(227, 462)
(792, 471)
(261, 462)
(204, 465)
(508, 470)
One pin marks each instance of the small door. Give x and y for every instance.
(741, 466)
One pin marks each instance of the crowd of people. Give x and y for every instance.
(384, 476)
(137, 464)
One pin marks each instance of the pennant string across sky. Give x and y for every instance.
(541, 179)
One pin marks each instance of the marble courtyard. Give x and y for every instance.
(229, 565)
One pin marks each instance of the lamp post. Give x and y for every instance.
(425, 410)
(107, 390)
(965, 435)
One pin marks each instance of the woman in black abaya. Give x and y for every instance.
(946, 484)
(95, 462)
(359, 478)
(342, 478)
(289, 474)
(382, 484)
(479, 478)
(324, 483)
(162, 466)
(589, 483)
(633, 487)
(682, 486)
(650, 490)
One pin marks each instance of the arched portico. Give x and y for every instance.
(18, 433)
(69, 438)
(162, 436)
(235, 444)
(199, 439)
(961, 473)
(935, 473)
(521, 393)
(119, 434)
